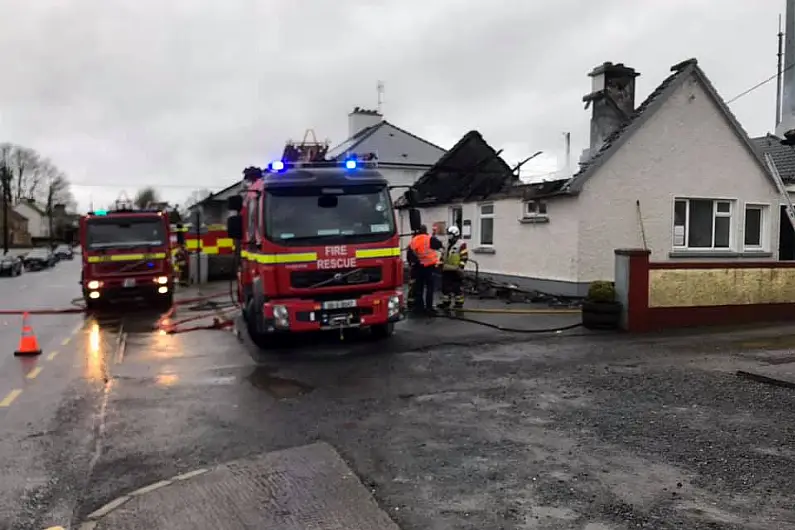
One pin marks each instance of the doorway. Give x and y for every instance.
(786, 237)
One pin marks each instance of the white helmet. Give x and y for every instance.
(454, 231)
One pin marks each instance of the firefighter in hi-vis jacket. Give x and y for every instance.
(454, 259)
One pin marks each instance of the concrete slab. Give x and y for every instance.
(300, 488)
(772, 373)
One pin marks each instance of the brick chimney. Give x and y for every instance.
(360, 119)
(612, 100)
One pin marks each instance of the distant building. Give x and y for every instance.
(38, 220)
(18, 228)
(402, 156)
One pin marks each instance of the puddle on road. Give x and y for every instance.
(278, 387)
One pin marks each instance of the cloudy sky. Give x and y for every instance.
(183, 94)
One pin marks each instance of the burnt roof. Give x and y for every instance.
(783, 155)
(681, 72)
(470, 170)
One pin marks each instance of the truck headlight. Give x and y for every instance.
(393, 306)
(162, 280)
(93, 285)
(281, 316)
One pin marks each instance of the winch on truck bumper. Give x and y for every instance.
(297, 315)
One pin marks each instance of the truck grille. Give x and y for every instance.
(335, 277)
(125, 267)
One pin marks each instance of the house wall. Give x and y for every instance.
(686, 149)
(401, 177)
(533, 253)
(38, 225)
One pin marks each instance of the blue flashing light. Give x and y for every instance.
(350, 164)
(100, 212)
(277, 165)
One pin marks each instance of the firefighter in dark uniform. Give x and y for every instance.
(454, 259)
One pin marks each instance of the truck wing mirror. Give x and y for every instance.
(415, 219)
(180, 235)
(235, 203)
(234, 227)
(411, 196)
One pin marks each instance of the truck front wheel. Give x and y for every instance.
(383, 331)
(253, 319)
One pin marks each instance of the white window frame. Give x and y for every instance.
(763, 224)
(481, 217)
(532, 208)
(731, 214)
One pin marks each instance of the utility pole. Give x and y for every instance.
(5, 181)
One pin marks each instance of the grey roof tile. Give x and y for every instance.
(783, 155)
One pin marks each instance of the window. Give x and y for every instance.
(457, 217)
(753, 233)
(702, 224)
(486, 224)
(535, 208)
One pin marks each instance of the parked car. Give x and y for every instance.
(38, 259)
(11, 265)
(64, 252)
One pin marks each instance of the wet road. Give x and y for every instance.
(35, 390)
(451, 426)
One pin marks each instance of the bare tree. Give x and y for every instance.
(26, 169)
(25, 166)
(146, 197)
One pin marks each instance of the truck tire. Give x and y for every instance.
(383, 331)
(166, 302)
(91, 305)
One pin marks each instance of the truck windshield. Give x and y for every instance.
(127, 232)
(301, 216)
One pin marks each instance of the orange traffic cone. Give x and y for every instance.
(28, 345)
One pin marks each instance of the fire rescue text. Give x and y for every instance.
(336, 258)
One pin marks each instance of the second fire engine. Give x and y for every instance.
(126, 255)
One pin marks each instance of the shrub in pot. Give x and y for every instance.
(600, 310)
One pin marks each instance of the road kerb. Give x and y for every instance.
(94, 516)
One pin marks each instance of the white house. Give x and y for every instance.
(677, 175)
(402, 157)
(38, 221)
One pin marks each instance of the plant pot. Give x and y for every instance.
(601, 315)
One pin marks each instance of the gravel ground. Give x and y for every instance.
(532, 436)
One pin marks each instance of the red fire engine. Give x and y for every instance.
(320, 249)
(126, 255)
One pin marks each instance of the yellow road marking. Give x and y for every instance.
(14, 394)
(33, 373)
(52, 355)
(55, 528)
(66, 341)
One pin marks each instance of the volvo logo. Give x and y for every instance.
(337, 276)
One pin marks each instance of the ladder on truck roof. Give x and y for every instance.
(782, 189)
